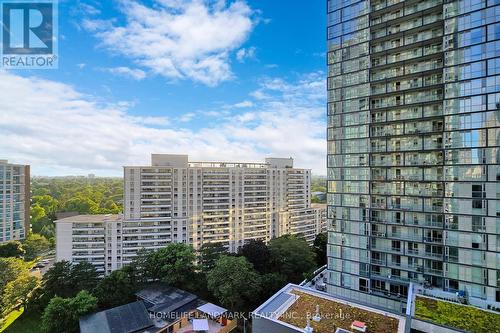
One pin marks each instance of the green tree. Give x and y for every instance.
(319, 247)
(117, 288)
(19, 290)
(209, 254)
(66, 280)
(35, 245)
(10, 269)
(57, 280)
(257, 253)
(12, 249)
(37, 213)
(49, 232)
(146, 266)
(173, 264)
(47, 202)
(84, 276)
(271, 283)
(292, 257)
(82, 205)
(234, 282)
(63, 314)
(110, 207)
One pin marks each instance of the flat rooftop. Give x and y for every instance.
(92, 218)
(292, 305)
(457, 316)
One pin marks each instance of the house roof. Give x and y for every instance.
(128, 318)
(212, 310)
(162, 298)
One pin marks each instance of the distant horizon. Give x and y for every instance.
(98, 176)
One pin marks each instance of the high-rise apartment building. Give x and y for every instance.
(14, 201)
(174, 200)
(413, 149)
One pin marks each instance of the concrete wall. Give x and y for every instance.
(64, 241)
(280, 163)
(264, 325)
(169, 160)
(431, 328)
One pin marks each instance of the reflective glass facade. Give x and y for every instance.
(413, 147)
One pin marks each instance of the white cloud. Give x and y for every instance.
(244, 104)
(185, 118)
(244, 54)
(89, 9)
(179, 39)
(259, 94)
(59, 130)
(134, 73)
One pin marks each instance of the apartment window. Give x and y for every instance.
(477, 224)
(477, 192)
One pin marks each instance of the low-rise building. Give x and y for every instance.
(159, 309)
(298, 309)
(307, 309)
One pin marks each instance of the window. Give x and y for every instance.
(477, 224)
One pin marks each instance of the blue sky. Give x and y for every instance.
(218, 80)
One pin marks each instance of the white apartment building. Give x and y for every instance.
(175, 200)
(14, 201)
(93, 238)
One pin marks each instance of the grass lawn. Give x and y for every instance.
(7, 321)
(459, 316)
(28, 322)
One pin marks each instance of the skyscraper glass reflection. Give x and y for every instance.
(413, 148)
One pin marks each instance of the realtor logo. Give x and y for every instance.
(29, 34)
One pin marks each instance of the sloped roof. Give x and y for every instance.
(128, 318)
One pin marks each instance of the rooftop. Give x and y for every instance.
(293, 305)
(92, 218)
(182, 161)
(463, 317)
(166, 299)
(159, 306)
(131, 317)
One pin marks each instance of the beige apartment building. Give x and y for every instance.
(176, 200)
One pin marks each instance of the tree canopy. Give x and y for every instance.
(319, 247)
(117, 288)
(12, 249)
(173, 264)
(257, 253)
(234, 282)
(292, 257)
(63, 314)
(209, 254)
(72, 194)
(66, 280)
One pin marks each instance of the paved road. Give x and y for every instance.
(47, 266)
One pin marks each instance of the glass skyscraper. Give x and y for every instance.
(413, 149)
